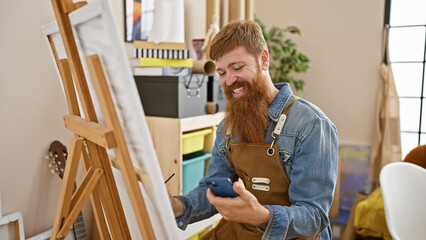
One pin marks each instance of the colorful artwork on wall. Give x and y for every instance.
(139, 19)
(355, 173)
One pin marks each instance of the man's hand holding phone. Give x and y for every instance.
(243, 208)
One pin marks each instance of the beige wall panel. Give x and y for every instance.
(236, 10)
(212, 8)
(343, 41)
(224, 12)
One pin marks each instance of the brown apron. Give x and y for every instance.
(256, 165)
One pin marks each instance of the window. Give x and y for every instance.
(407, 54)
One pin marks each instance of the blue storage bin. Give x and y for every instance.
(193, 170)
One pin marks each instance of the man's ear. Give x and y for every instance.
(264, 59)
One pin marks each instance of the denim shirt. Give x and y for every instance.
(308, 147)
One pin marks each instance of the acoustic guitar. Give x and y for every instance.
(57, 156)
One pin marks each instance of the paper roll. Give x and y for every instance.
(212, 107)
(249, 14)
(236, 10)
(204, 66)
(212, 8)
(224, 13)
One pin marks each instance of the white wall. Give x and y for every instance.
(31, 106)
(342, 39)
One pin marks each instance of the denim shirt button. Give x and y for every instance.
(180, 224)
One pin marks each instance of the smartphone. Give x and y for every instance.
(221, 186)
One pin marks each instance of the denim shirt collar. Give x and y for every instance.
(279, 103)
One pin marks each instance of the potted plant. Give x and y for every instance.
(284, 56)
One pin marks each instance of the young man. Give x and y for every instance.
(284, 149)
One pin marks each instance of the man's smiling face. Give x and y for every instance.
(237, 70)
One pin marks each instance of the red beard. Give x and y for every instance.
(248, 114)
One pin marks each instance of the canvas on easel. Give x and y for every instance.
(98, 41)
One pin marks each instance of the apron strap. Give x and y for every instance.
(287, 109)
(283, 117)
(280, 125)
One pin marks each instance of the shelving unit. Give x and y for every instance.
(167, 133)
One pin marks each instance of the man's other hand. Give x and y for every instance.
(176, 205)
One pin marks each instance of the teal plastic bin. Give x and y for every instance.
(193, 170)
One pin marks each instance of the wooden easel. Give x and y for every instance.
(91, 141)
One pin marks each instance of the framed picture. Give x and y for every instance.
(139, 17)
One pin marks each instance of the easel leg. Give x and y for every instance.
(96, 204)
(80, 197)
(67, 186)
(109, 194)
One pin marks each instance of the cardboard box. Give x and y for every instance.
(173, 96)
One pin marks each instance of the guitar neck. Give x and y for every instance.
(78, 226)
(79, 229)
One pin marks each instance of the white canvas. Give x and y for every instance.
(96, 32)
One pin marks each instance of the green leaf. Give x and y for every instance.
(293, 29)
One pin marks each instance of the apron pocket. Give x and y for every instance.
(246, 231)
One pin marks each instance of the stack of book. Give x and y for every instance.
(160, 59)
